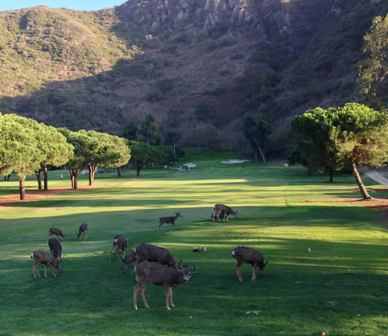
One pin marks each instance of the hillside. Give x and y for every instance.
(197, 66)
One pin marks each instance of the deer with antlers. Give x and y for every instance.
(158, 274)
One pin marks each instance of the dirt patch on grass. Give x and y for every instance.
(34, 195)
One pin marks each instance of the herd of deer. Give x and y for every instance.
(150, 263)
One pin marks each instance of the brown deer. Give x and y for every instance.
(42, 257)
(158, 274)
(55, 248)
(168, 220)
(148, 252)
(250, 256)
(223, 211)
(56, 232)
(120, 245)
(83, 231)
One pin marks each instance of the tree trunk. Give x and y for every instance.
(22, 188)
(331, 175)
(261, 151)
(45, 178)
(118, 172)
(138, 168)
(92, 172)
(359, 182)
(74, 178)
(39, 179)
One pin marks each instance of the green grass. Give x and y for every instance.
(340, 287)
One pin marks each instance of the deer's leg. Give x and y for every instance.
(254, 272)
(135, 290)
(86, 234)
(143, 296)
(160, 224)
(111, 254)
(167, 290)
(171, 300)
(45, 271)
(34, 270)
(239, 263)
(37, 269)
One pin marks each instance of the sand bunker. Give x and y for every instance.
(234, 161)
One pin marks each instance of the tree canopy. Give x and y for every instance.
(257, 131)
(352, 135)
(143, 154)
(374, 67)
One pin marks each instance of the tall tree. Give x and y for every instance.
(19, 149)
(374, 67)
(362, 139)
(257, 132)
(149, 130)
(172, 138)
(130, 131)
(313, 138)
(143, 154)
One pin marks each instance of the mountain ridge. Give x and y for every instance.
(197, 66)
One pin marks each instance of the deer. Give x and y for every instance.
(56, 232)
(82, 231)
(224, 211)
(251, 256)
(149, 271)
(168, 220)
(42, 257)
(148, 252)
(119, 244)
(55, 248)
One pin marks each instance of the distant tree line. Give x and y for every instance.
(28, 147)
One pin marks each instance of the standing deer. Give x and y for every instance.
(223, 211)
(250, 256)
(56, 232)
(42, 257)
(83, 231)
(159, 275)
(168, 220)
(120, 245)
(148, 252)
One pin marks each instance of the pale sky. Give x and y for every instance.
(73, 4)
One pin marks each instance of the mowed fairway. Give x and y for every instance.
(341, 286)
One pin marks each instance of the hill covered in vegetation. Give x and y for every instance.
(197, 66)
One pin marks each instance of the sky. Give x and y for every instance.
(73, 4)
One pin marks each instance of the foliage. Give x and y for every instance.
(143, 154)
(149, 130)
(130, 131)
(257, 131)
(374, 67)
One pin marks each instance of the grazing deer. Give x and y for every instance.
(120, 245)
(56, 232)
(42, 257)
(250, 256)
(168, 220)
(159, 275)
(83, 231)
(55, 248)
(223, 211)
(148, 252)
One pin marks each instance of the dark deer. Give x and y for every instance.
(223, 211)
(83, 231)
(120, 245)
(148, 252)
(250, 256)
(168, 220)
(55, 248)
(56, 232)
(158, 274)
(42, 257)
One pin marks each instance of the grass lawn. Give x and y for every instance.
(340, 286)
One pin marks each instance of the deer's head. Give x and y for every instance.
(177, 214)
(186, 272)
